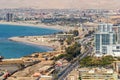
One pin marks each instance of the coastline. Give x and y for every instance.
(25, 40)
(31, 40)
(55, 27)
(40, 41)
(50, 48)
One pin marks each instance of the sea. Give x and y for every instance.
(10, 49)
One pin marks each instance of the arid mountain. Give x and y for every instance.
(61, 4)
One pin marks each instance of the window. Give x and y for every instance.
(104, 49)
(97, 41)
(105, 39)
(117, 47)
(114, 38)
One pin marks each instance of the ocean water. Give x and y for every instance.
(11, 49)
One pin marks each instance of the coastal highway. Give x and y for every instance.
(70, 67)
(62, 75)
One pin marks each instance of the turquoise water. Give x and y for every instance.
(11, 49)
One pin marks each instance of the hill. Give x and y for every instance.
(61, 4)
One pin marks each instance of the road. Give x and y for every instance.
(70, 67)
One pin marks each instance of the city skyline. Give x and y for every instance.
(61, 4)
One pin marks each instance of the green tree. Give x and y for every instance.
(80, 78)
(106, 60)
(95, 62)
(72, 51)
(68, 57)
(60, 56)
(69, 40)
(85, 62)
(75, 33)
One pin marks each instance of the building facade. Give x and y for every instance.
(118, 35)
(105, 37)
(9, 17)
(99, 74)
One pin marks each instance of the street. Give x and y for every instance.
(70, 67)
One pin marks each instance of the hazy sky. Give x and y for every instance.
(81, 4)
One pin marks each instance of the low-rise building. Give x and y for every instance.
(116, 66)
(98, 74)
(74, 75)
(63, 36)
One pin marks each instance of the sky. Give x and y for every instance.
(61, 4)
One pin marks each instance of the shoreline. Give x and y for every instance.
(49, 48)
(22, 40)
(37, 41)
(55, 27)
(30, 43)
(30, 40)
(44, 44)
(52, 46)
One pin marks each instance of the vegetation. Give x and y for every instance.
(71, 52)
(89, 33)
(75, 33)
(59, 57)
(80, 78)
(69, 40)
(96, 62)
(64, 21)
(118, 58)
(61, 42)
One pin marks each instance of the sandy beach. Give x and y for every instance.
(55, 27)
(41, 41)
(37, 40)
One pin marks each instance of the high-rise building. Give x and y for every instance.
(9, 17)
(104, 38)
(118, 34)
